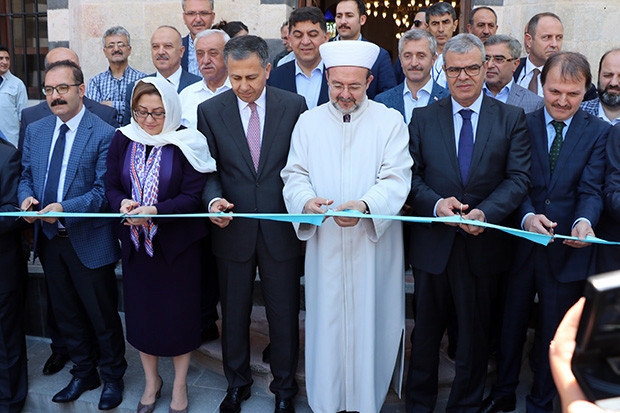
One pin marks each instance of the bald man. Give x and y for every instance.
(34, 113)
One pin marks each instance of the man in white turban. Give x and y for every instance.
(358, 160)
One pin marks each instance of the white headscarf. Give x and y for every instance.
(190, 141)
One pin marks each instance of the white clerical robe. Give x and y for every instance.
(354, 277)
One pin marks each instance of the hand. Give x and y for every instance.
(28, 205)
(146, 210)
(351, 205)
(580, 230)
(221, 205)
(474, 215)
(539, 224)
(448, 207)
(53, 207)
(315, 205)
(561, 352)
(127, 205)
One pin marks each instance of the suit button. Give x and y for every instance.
(257, 185)
(547, 202)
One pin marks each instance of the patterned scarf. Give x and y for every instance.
(144, 190)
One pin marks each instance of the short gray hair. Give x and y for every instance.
(183, 4)
(243, 47)
(418, 34)
(212, 32)
(463, 43)
(116, 31)
(513, 44)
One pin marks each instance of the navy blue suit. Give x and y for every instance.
(556, 272)
(186, 80)
(393, 98)
(32, 114)
(608, 256)
(283, 77)
(185, 58)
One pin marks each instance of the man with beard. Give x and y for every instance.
(354, 267)
(109, 87)
(198, 15)
(417, 51)
(166, 52)
(607, 108)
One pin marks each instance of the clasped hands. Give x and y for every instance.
(540, 224)
(315, 206)
(131, 207)
(28, 205)
(448, 207)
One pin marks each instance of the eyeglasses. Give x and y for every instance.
(143, 114)
(418, 23)
(111, 46)
(203, 13)
(473, 70)
(499, 59)
(61, 89)
(353, 88)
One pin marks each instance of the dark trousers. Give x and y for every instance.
(209, 286)
(435, 297)
(13, 366)
(85, 304)
(555, 298)
(280, 286)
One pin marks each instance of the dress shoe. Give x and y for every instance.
(284, 405)
(210, 333)
(55, 363)
(234, 397)
(112, 394)
(75, 388)
(499, 404)
(267, 354)
(149, 408)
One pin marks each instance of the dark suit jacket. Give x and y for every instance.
(498, 180)
(283, 77)
(186, 80)
(238, 182)
(32, 114)
(590, 93)
(84, 187)
(524, 98)
(573, 191)
(185, 58)
(393, 98)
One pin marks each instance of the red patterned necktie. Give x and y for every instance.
(254, 135)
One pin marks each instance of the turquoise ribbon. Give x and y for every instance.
(317, 219)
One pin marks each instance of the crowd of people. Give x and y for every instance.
(459, 126)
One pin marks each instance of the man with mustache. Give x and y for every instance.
(502, 54)
(109, 87)
(198, 15)
(354, 267)
(568, 171)
(417, 51)
(166, 53)
(482, 22)
(607, 105)
(350, 17)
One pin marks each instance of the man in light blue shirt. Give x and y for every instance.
(13, 98)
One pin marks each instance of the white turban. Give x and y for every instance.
(349, 53)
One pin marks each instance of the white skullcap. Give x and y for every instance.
(349, 53)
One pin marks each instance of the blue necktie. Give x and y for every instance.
(53, 177)
(466, 144)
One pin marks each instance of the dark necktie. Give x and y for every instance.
(53, 177)
(466, 144)
(254, 134)
(1, 80)
(346, 118)
(556, 145)
(533, 86)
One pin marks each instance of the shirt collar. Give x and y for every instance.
(507, 88)
(548, 119)
(299, 71)
(428, 88)
(456, 106)
(261, 102)
(225, 86)
(74, 122)
(529, 66)
(603, 115)
(174, 78)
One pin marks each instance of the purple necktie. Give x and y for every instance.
(254, 135)
(466, 144)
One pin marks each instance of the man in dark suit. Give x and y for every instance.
(568, 170)
(502, 59)
(166, 52)
(417, 51)
(350, 17)
(198, 15)
(34, 113)
(60, 354)
(304, 75)
(13, 371)
(249, 130)
(471, 158)
(78, 255)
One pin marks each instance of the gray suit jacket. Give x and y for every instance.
(525, 99)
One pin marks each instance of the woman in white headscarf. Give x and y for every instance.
(157, 167)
